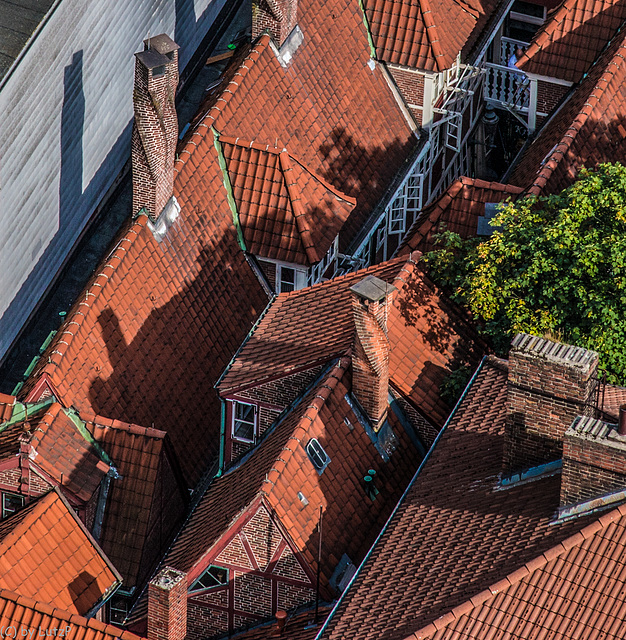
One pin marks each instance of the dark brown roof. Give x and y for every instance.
(454, 533)
(572, 38)
(586, 130)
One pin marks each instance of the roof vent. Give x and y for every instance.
(317, 455)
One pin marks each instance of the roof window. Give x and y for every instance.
(244, 421)
(213, 577)
(317, 455)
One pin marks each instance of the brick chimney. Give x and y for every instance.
(155, 130)
(167, 606)
(371, 302)
(549, 385)
(279, 17)
(594, 461)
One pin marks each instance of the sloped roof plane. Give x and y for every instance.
(287, 212)
(589, 128)
(47, 554)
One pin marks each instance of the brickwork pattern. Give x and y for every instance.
(263, 537)
(234, 553)
(203, 622)
(291, 596)
(590, 470)
(167, 606)
(279, 17)
(549, 95)
(154, 137)
(269, 271)
(544, 397)
(411, 86)
(251, 594)
(289, 567)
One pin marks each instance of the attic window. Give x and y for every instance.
(244, 421)
(212, 577)
(289, 278)
(317, 455)
(11, 503)
(118, 609)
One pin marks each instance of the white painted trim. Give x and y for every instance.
(548, 79)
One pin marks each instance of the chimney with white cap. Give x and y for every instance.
(167, 605)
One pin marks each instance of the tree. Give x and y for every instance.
(554, 266)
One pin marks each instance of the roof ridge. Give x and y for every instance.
(519, 574)
(429, 23)
(322, 392)
(567, 139)
(250, 144)
(130, 427)
(52, 411)
(334, 190)
(299, 214)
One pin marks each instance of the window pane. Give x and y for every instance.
(11, 503)
(212, 577)
(287, 279)
(317, 455)
(244, 430)
(244, 421)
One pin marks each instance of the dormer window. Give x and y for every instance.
(213, 577)
(244, 421)
(11, 502)
(317, 455)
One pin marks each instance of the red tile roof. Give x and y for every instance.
(145, 504)
(286, 211)
(454, 535)
(147, 340)
(299, 626)
(572, 38)
(426, 34)
(427, 335)
(458, 210)
(26, 617)
(48, 555)
(586, 130)
(280, 467)
(60, 445)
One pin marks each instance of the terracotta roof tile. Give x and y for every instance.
(458, 210)
(584, 131)
(299, 626)
(64, 566)
(27, 617)
(148, 492)
(453, 538)
(427, 335)
(572, 38)
(355, 521)
(287, 212)
(426, 35)
(147, 346)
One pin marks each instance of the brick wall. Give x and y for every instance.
(269, 271)
(594, 461)
(549, 385)
(203, 622)
(411, 86)
(549, 95)
(279, 17)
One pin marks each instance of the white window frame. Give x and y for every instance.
(255, 423)
(300, 276)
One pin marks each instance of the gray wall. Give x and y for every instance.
(65, 122)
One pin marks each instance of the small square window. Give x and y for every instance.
(213, 577)
(244, 421)
(317, 455)
(11, 503)
(287, 279)
(118, 610)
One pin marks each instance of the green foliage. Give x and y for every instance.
(557, 266)
(454, 384)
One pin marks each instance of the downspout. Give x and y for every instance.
(102, 500)
(220, 469)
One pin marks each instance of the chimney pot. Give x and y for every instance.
(621, 428)
(281, 620)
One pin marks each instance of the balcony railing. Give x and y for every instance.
(507, 48)
(507, 87)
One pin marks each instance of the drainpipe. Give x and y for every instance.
(222, 438)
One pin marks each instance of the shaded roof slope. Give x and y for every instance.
(589, 128)
(286, 212)
(28, 617)
(573, 37)
(452, 535)
(19, 20)
(48, 555)
(146, 484)
(426, 34)
(427, 335)
(280, 467)
(457, 210)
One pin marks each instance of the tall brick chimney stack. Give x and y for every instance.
(155, 130)
(167, 606)
(279, 17)
(594, 461)
(371, 303)
(549, 385)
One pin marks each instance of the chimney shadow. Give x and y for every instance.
(84, 592)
